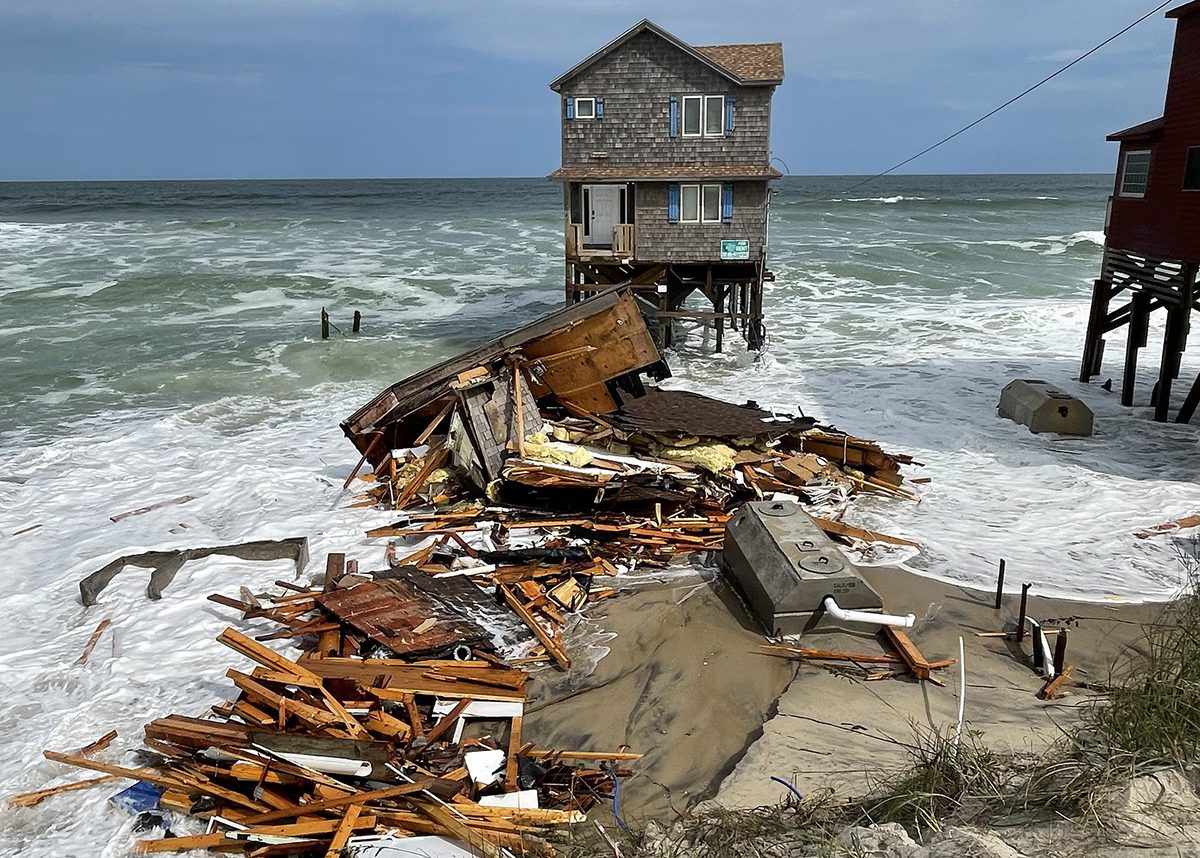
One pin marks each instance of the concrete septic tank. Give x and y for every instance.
(1044, 408)
(785, 566)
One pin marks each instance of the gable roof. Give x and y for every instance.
(745, 65)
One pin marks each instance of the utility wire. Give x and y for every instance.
(1017, 97)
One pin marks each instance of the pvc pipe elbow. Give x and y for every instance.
(866, 617)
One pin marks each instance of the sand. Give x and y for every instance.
(686, 683)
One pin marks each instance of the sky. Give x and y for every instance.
(161, 89)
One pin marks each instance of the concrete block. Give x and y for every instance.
(785, 566)
(1044, 408)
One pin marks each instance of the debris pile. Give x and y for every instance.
(329, 747)
(549, 439)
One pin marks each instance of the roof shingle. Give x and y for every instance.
(664, 172)
(757, 63)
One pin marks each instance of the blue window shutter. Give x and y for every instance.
(570, 108)
(727, 202)
(672, 203)
(599, 108)
(728, 115)
(674, 118)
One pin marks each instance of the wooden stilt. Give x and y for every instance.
(1021, 614)
(324, 324)
(1190, 403)
(1093, 344)
(717, 294)
(357, 322)
(1139, 325)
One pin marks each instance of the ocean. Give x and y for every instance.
(161, 340)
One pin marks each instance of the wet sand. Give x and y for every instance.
(686, 683)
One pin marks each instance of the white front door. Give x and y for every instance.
(603, 212)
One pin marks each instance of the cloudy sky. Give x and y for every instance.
(111, 89)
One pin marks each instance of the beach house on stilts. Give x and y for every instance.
(1152, 231)
(666, 172)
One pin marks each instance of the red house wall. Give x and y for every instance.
(1165, 223)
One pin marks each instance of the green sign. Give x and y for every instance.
(735, 248)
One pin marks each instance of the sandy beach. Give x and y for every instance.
(686, 682)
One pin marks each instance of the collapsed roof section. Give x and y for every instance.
(587, 358)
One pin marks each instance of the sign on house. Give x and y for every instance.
(735, 248)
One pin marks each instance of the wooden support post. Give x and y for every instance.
(717, 293)
(1093, 348)
(1189, 404)
(1139, 326)
(1000, 585)
(1174, 342)
(1021, 614)
(1060, 651)
(663, 323)
(324, 324)
(357, 321)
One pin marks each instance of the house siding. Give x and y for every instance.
(636, 82)
(1162, 224)
(658, 240)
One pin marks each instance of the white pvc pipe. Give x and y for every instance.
(867, 617)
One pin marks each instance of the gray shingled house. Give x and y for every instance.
(666, 172)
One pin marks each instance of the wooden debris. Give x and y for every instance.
(1054, 685)
(145, 509)
(911, 656)
(93, 640)
(1184, 523)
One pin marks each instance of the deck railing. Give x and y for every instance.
(623, 239)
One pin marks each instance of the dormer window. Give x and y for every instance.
(704, 116)
(585, 108)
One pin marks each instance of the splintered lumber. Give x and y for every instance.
(359, 798)
(173, 781)
(29, 799)
(433, 459)
(1169, 527)
(98, 745)
(345, 827)
(184, 844)
(479, 843)
(93, 640)
(908, 651)
(145, 509)
(839, 528)
(828, 655)
(548, 640)
(1054, 685)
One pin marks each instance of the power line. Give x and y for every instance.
(1016, 97)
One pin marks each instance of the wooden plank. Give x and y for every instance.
(145, 509)
(433, 459)
(184, 844)
(548, 641)
(1053, 686)
(342, 834)
(29, 799)
(908, 652)
(448, 720)
(514, 747)
(93, 640)
(1187, 521)
(98, 745)
(479, 842)
(359, 798)
(840, 528)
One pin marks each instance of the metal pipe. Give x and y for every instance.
(842, 615)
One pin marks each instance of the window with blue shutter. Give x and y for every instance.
(672, 203)
(727, 203)
(674, 116)
(599, 108)
(728, 115)
(570, 108)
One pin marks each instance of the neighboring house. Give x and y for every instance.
(1152, 231)
(665, 172)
